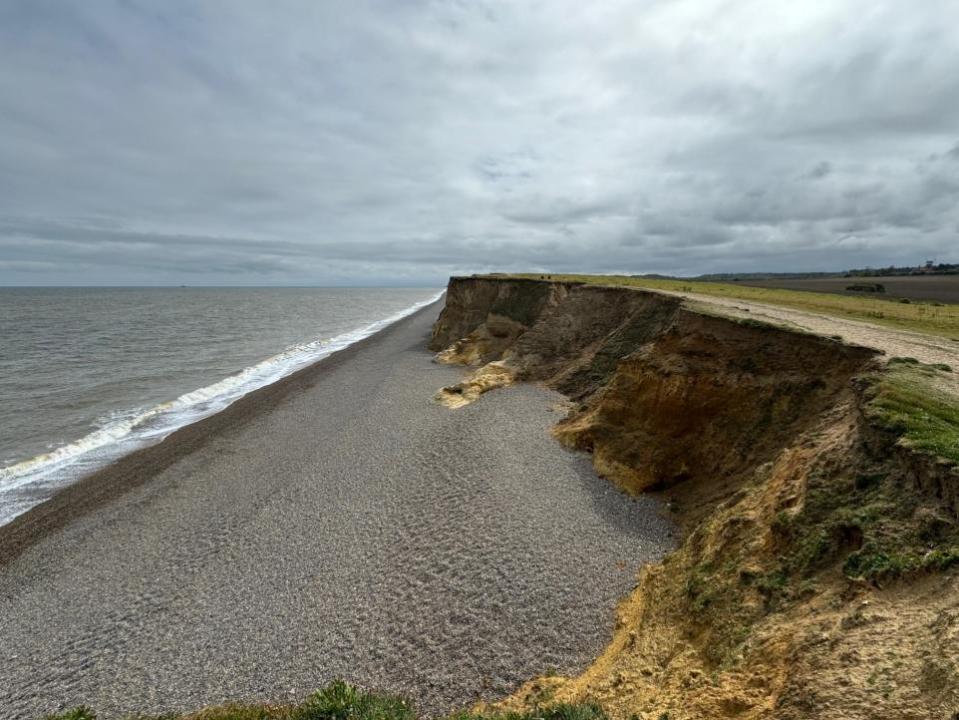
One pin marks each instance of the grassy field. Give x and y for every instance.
(925, 317)
(921, 288)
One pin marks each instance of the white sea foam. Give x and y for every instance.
(28, 483)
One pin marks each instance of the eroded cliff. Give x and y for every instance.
(817, 574)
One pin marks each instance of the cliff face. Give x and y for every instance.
(472, 302)
(665, 393)
(795, 505)
(572, 335)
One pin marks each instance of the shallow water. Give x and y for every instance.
(89, 374)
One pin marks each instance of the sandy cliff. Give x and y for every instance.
(817, 577)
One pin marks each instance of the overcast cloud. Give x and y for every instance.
(399, 142)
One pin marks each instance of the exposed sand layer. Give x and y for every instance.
(338, 523)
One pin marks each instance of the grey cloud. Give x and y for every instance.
(820, 170)
(557, 211)
(302, 142)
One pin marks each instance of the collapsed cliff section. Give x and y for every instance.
(484, 318)
(572, 342)
(817, 576)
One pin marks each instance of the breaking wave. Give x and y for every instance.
(32, 481)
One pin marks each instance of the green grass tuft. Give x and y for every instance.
(340, 701)
(78, 713)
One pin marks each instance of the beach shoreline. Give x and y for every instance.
(337, 523)
(104, 484)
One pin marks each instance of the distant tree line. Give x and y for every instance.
(927, 269)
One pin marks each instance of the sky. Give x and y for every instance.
(400, 142)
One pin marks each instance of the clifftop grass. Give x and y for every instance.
(930, 318)
(342, 701)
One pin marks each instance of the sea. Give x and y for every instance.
(88, 375)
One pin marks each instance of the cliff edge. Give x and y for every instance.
(815, 481)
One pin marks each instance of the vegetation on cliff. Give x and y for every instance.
(906, 400)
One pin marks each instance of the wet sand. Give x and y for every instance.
(337, 523)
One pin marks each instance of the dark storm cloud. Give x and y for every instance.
(343, 142)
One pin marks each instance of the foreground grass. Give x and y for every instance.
(341, 701)
(930, 318)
